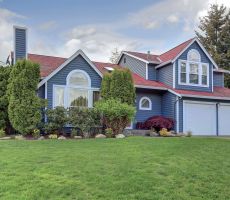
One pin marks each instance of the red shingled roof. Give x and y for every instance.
(49, 63)
(148, 57)
(218, 92)
(165, 57)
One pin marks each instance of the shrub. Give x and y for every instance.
(74, 132)
(108, 132)
(53, 136)
(24, 105)
(189, 134)
(57, 119)
(157, 122)
(118, 85)
(164, 132)
(2, 133)
(115, 115)
(84, 119)
(36, 133)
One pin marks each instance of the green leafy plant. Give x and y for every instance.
(2, 133)
(189, 134)
(115, 115)
(24, 105)
(36, 133)
(84, 119)
(56, 120)
(108, 132)
(74, 132)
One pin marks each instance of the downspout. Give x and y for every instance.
(175, 114)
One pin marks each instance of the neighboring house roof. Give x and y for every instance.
(218, 93)
(220, 70)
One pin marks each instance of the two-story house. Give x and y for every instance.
(183, 83)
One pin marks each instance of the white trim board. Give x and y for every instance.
(77, 53)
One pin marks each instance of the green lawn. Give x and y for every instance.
(132, 168)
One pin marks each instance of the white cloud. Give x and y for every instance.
(7, 20)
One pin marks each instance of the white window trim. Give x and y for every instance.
(78, 71)
(187, 73)
(150, 103)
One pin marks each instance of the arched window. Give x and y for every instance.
(77, 92)
(193, 55)
(145, 103)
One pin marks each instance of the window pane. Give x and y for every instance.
(96, 96)
(194, 68)
(183, 67)
(204, 70)
(58, 96)
(193, 78)
(78, 97)
(145, 103)
(194, 56)
(204, 80)
(78, 79)
(183, 77)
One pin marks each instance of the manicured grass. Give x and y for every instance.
(132, 168)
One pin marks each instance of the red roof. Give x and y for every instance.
(148, 57)
(49, 63)
(165, 57)
(218, 92)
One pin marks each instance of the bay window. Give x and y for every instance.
(192, 71)
(77, 92)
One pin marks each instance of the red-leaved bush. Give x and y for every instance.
(156, 122)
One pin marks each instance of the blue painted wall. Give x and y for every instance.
(60, 78)
(204, 59)
(134, 65)
(152, 72)
(156, 97)
(165, 75)
(218, 79)
(20, 44)
(41, 92)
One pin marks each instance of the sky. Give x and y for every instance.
(61, 27)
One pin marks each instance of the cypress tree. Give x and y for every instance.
(118, 85)
(4, 79)
(24, 105)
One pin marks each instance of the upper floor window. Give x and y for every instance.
(145, 104)
(192, 71)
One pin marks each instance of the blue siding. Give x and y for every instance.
(60, 78)
(165, 74)
(134, 65)
(152, 72)
(204, 59)
(168, 105)
(156, 98)
(20, 43)
(41, 92)
(218, 79)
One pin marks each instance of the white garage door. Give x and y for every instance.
(200, 118)
(224, 119)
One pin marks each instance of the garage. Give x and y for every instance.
(224, 119)
(199, 117)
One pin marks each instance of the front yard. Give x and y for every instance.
(131, 168)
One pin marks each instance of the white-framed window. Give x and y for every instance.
(77, 92)
(192, 71)
(145, 103)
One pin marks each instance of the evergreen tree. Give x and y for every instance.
(115, 55)
(24, 105)
(214, 33)
(118, 85)
(4, 78)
